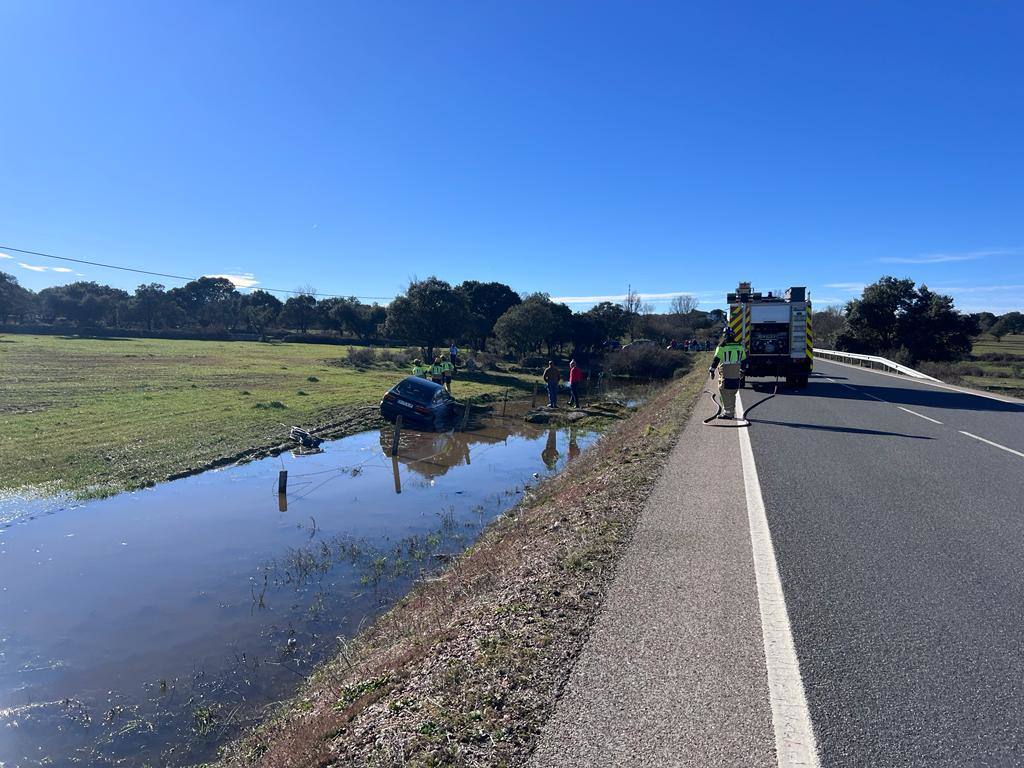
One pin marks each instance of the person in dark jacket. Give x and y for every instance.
(551, 377)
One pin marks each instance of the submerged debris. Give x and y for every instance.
(304, 438)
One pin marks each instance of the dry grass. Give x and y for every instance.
(466, 669)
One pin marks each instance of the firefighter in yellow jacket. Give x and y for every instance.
(729, 358)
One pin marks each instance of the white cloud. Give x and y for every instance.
(651, 297)
(6, 256)
(942, 258)
(33, 267)
(851, 287)
(61, 269)
(245, 280)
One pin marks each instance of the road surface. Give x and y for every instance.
(895, 513)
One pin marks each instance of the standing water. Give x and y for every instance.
(145, 629)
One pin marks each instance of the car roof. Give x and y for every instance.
(417, 382)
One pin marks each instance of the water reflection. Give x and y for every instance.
(147, 627)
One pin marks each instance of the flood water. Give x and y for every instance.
(145, 629)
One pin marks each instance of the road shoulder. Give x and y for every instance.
(674, 670)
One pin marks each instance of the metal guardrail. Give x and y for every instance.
(870, 361)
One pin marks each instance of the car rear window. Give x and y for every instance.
(417, 390)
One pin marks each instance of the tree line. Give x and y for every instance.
(910, 323)
(430, 313)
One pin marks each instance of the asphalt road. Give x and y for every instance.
(900, 547)
(896, 513)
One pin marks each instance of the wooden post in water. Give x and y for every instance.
(282, 481)
(398, 433)
(504, 403)
(465, 418)
(533, 401)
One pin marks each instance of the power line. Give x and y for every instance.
(182, 277)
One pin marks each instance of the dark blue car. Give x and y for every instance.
(420, 403)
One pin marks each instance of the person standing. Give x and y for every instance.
(419, 369)
(730, 354)
(576, 377)
(453, 354)
(437, 371)
(447, 369)
(551, 377)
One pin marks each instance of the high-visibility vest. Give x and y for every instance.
(447, 366)
(419, 370)
(733, 352)
(436, 370)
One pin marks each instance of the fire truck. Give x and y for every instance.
(776, 332)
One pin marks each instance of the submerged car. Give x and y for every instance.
(420, 403)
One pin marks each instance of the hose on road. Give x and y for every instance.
(746, 412)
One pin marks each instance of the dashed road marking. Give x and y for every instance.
(795, 744)
(994, 445)
(920, 415)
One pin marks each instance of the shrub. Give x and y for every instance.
(271, 404)
(361, 357)
(998, 357)
(400, 357)
(313, 379)
(948, 372)
(646, 362)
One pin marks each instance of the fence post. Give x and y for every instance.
(398, 433)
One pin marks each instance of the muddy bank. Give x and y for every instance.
(345, 422)
(466, 668)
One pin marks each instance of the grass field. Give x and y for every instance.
(96, 416)
(999, 363)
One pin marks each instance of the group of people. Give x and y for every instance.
(552, 377)
(441, 370)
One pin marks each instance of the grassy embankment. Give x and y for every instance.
(97, 416)
(997, 366)
(466, 669)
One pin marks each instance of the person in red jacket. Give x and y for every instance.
(576, 377)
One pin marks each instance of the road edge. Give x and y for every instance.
(795, 744)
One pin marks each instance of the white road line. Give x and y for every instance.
(854, 389)
(921, 415)
(795, 744)
(994, 445)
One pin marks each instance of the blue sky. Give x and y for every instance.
(575, 148)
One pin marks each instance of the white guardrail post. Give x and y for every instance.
(870, 361)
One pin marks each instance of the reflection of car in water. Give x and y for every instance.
(430, 454)
(420, 403)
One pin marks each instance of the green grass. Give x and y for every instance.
(1010, 345)
(1002, 375)
(96, 416)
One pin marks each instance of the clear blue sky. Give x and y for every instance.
(572, 147)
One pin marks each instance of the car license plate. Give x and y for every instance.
(404, 403)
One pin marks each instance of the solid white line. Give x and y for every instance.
(921, 415)
(994, 445)
(795, 744)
